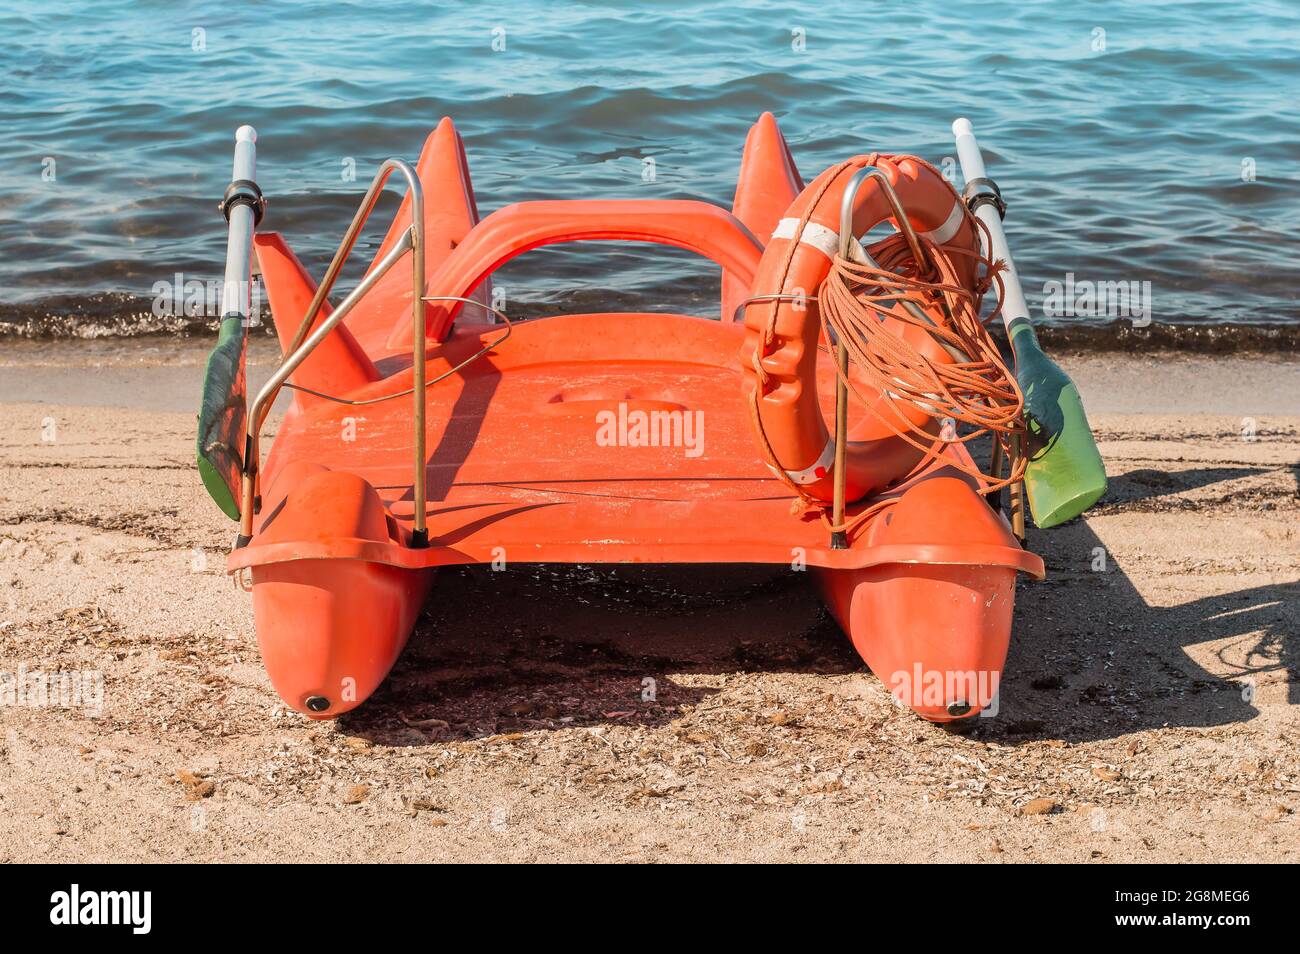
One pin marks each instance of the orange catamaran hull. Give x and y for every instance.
(586, 438)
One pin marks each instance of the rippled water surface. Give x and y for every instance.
(1126, 136)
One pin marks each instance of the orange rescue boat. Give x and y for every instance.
(427, 430)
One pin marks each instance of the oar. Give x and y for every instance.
(221, 441)
(1064, 475)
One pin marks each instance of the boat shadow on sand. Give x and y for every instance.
(557, 646)
(1092, 658)
(554, 647)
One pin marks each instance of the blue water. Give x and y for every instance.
(1125, 155)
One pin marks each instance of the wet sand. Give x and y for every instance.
(1151, 704)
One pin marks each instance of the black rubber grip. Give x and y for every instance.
(243, 192)
(982, 191)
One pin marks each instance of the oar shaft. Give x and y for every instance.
(972, 168)
(1064, 474)
(235, 294)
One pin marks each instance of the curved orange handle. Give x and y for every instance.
(685, 223)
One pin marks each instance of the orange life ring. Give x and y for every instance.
(787, 330)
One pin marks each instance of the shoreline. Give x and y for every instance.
(111, 319)
(166, 375)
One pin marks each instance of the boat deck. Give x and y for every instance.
(546, 450)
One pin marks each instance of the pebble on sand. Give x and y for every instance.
(1039, 806)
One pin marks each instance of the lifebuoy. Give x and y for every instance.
(786, 331)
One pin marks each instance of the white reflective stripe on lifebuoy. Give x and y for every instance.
(945, 232)
(826, 241)
(818, 469)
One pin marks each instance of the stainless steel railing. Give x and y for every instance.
(306, 339)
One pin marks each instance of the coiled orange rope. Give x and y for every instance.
(979, 391)
(976, 389)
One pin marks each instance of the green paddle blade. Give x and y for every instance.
(222, 418)
(1064, 475)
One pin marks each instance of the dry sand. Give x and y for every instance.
(1152, 703)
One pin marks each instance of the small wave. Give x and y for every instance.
(126, 316)
(103, 316)
(1206, 338)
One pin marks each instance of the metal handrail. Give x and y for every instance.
(490, 346)
(303, 344)
(847, 239)
(851, 248)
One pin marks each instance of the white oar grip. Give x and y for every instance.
(968, 150)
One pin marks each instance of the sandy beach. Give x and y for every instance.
(1150, 709)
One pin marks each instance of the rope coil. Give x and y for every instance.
(976, 389)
